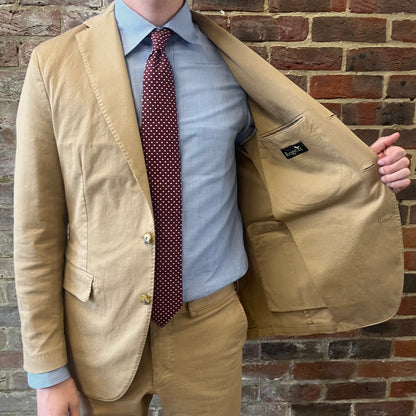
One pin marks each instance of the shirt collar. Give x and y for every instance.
(134, 28)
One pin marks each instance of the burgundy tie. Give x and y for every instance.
(159, 134)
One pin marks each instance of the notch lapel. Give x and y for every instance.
(103, 57)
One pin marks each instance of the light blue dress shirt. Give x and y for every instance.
(213, 117)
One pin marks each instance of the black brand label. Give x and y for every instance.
(294, 150)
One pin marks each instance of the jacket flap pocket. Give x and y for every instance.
(77, 282)
(283, 273)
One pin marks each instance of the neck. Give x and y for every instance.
(157, 12)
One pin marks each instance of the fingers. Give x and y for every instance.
(391, 155)
(393, 164)
(384, 142)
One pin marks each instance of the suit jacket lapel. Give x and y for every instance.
(104, 62)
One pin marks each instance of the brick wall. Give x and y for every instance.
(358, 57)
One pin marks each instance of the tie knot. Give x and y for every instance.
(160, 38)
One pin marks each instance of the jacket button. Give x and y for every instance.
(144, 299)
(147, 238)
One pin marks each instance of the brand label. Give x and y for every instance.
(294, 150)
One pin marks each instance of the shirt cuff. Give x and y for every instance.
(48, 379)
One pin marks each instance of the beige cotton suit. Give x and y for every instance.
(323, 234)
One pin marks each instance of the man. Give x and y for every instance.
(86, 202)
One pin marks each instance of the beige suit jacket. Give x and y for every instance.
(323, 234)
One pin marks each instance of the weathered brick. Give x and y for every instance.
(387, 369)
(6, 268)
(11, 359)
(14, 338)
(381, 59)
(407, 306)
(354, 390)
(382, 6)
(74, 17)
(251, 351)
(26, 50)
(321, 409)
(15, 403)
(346, 86)
(379, 113)
(284, 392)
(291, 350)
(83, 3)
(260, 50)
(348, 29)
(8, 111)
(6, 218)
(268, 409)
(404, 30)
(6, 242)
(359, 349)
(401, 86)
(300, 80)
(323, 370)
(391, 408)
(30, 22)
(238, 5)
(403, 389)
(249, 391)
(306, 58)
(10, 85)
(307, 5)
(18, 380)
(405, 349)
(274, 371)
(8, 53)
(267, 28)
(409, 237)
(336, 108)
(219, 20)
(9, 316)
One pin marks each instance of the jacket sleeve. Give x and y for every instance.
(40, 229)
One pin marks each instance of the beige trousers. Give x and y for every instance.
(193, 363)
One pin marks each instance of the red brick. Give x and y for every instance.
(251, 351)
(273, 371)
(405, 349)
(346, 86)
(323, 370)
(233, 5)
(26, 50)
(348, 29)
(85, 3)
(306, 58)
(378, 113)
(404, 31)
(30, 22)
(382, 6)
(381, 59)
(72, 18)
(300, 80)
(266, 28)
(403, 389)
(407, 306)
(219, 20)
(8, 53)
(348, 391)
(282, 392)
(407, 137)
(401, 86)
(404, 211)
(410, 259)
(409, 281)
(387, 369)
(368, 136)
(307, 5)
(261, 51)
(391, 408)
(409, 237)
(11, 359)
(409, 192)
(336, 108)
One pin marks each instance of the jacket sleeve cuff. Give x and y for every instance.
(48, 379)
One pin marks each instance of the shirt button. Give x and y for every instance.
(144, 299)
(147, 238)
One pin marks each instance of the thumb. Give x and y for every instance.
(384, 142)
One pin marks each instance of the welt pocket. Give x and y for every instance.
(284, 127)
(78, 282)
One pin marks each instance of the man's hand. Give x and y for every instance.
(58, 400)
(393, 162)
